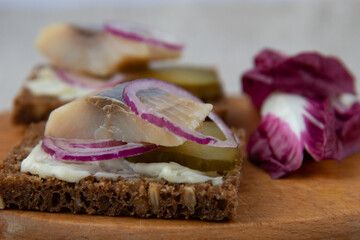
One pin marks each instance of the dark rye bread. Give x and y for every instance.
(29, 107)
(127, 197)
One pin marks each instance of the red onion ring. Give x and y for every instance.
(140, 33)
(90, 150)
(134, 103)
(86, 82)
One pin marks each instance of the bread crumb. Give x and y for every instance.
(2, 204)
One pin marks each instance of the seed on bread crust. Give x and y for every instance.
(189, 197)
(154, 197)
(2, 204)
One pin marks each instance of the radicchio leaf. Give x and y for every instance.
(348, 126)
(320, 137)
(275, 147)
(291, 123)
(310, 74)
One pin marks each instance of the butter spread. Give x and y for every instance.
(47, 83)
(40, 163)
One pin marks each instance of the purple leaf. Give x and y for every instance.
(320, 137)
(348, 127)
(310, 74)
(275, 147)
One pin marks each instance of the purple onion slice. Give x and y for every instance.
(141, 33)
(87, 82)
(149, 114)
(92, 150)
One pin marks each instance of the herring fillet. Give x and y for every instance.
(95, 51)
(105, 116)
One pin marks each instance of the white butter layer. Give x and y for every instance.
(40, 163)
(47, 83)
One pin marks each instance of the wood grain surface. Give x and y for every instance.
(320, 201)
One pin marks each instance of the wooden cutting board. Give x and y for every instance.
(320, 201)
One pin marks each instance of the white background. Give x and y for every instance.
(225, 34)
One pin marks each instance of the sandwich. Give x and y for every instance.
(87, 58)
(144, 148)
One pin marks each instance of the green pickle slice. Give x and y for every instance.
(201, 81)
(196, 156)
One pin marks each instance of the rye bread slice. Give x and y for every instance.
(141, 197)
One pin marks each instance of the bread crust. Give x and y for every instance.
(141, 197)
(29, 107)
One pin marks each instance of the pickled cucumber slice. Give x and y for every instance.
(195, 156)
(201, 81)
